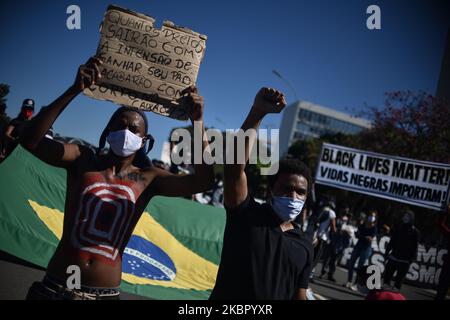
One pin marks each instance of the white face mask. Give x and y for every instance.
(287, 208)
(124, 142)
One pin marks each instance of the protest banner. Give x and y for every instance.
(410, 181)
(146, 67)
(424, 270)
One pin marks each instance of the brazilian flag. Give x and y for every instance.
(173, 253)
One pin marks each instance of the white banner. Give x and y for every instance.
(424, 271)
(415, 182)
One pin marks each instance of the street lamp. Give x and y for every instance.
(275, 72)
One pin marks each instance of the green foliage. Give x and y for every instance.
(4, 90)
(412, 125)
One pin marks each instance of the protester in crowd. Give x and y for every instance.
(339, 241)
(401, 249)
(4, 122)
(217, 192)
(363, 248)
(264, 255)
(17, 125)
(347, 233)
(92, 177)
(385, 231)
(326, 221)
(202, 197)
(444, 278)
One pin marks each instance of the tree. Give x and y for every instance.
(4, 90)
(413, 125)
(410, 124)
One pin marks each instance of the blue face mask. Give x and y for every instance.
(287, 208)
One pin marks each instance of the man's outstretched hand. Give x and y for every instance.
(87, 75)
(268, 100)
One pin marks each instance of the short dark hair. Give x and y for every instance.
(292, 166)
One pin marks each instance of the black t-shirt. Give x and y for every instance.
(363, 232)
(259, 260)
(19, 124)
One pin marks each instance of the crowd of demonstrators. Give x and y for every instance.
(401, 249)
(322, 235)
(329, 233)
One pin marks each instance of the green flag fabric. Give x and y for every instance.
(173, 253)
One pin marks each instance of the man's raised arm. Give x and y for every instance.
(202, 180)
(235, 189)
(32, 138)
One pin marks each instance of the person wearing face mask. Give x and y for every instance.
(325, 247)
(265, 255)
(17, 125)
(339, 240)
(106, 192)
(363, 248)
(401, 249)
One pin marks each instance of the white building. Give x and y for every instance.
(305, 120)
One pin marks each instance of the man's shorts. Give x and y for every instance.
(51, 288)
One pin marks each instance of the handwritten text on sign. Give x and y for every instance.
(410, 181)
(146, 67)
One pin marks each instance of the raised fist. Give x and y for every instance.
(88, 74)
(269, 100)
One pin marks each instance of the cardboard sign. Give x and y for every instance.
(146, 67)
(415, 182)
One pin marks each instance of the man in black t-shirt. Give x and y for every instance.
(401, 250)
(264, 255)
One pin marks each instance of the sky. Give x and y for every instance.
(321, 47)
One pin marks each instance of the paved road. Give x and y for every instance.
(337, 291)
(16, 276)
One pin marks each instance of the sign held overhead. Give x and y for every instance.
(146, 67)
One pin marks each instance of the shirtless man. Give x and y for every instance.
(106, 195)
